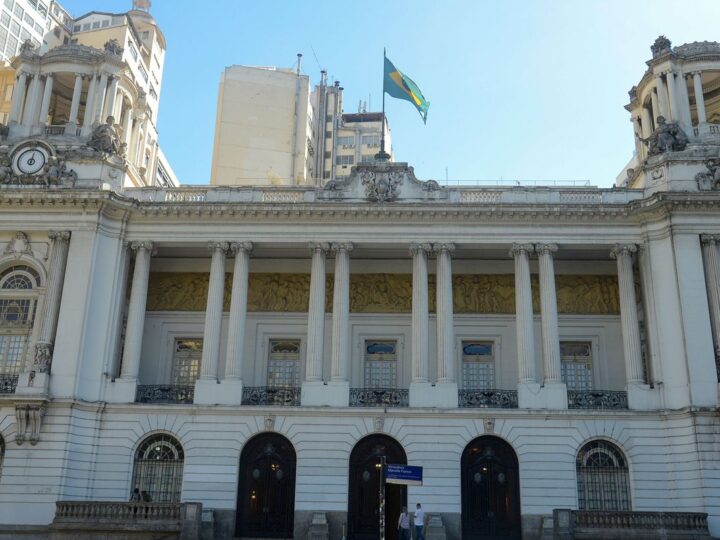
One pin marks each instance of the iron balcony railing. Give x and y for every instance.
(270, 395)
(597, 399)
(164, 393)
(8, 383)
(379, 397)
(488, 399)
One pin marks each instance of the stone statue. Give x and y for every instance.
(661, 46)
(113, 47)
(6, 172)
(27, 46)
(710, 180)
(105, 138)
(55, 172)
(667, 137)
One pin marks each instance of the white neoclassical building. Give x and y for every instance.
(260, 350)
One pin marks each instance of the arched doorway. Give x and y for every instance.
(266, 488)
(490, 488)
(364, 484)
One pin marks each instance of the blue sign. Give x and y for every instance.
(403, 474)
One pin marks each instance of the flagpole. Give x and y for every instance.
(382, 155)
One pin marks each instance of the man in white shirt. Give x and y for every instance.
(419, 523)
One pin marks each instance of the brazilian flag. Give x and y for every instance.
(400, 86)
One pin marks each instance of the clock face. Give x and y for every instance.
(31, 160)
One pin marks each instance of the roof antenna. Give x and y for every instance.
(299, 61)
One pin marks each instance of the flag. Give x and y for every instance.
(399, 85)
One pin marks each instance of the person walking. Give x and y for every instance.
(404, 524)
(419, 520)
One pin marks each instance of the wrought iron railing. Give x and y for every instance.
(164, 393)
(491, 399)
(379, 397)
(269, 395)
(8, 383)
(597, 399)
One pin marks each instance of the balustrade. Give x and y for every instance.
(268, 395)
(164, 393)
(67, 511)
(694, 521)
(8, 383)
(597, 399)
(379, 397)
(492, 399)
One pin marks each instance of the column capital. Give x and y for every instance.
(61, 236)
(238, 247)
(546, 249)
(218, 246)
(420, 247)
(144, 244)
(318, 247)
(710, 239)
(519, 249)
(623, 249)
(338, 247)
(443, 247)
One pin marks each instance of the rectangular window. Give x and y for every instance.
(284, 363)
(24, 35)
(5, 19)
(14, 28)
(329, 118)
(186, 361)
(328, 155)
(367, 158)
(29, 20)
(18, 11)
(326, 174)
(576, 364)
(95, 25)
(76, 28)
(3, 38)
(12, 353)
(371, 140)
(478, 365)
(106, 23)
(8, 4)
(346, 141)
(12, 45)
(380, 363)
(86, 27)
(344, 160)
(42, 9)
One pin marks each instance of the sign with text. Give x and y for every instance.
(403, 474)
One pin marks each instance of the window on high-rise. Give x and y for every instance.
(346, 140)
(576, 365)
(344, 160)
(371, 140)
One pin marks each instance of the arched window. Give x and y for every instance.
(18, 300)
(602, 476)
(158, 468)
(2, 453)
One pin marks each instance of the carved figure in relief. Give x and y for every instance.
(709, 180)
(667, 137)
(6, 172)
(105, 138)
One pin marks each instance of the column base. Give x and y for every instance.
(207, 392)
(642, 398)
(30, 384)
(228, 392)
(550, 396)
(71, 129)
(121, 390)
(321, 394)
(441, 395)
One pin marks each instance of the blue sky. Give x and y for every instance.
(518, 89)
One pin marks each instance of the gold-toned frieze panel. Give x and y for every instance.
(384, 293)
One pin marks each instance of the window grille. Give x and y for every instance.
(602, 476)
(478, 365)
(284, 363)
(186, 361)
(576, 365)
(380, 364)
(158, 468)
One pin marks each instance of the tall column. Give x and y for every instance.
(136, 311)
(662, 98)
(213, 312)
(712, 280)
(18, 97)
(30, 113)
(655, 108)
(316, 313)
(684, 107)
(637, 129)
(127, 130)
(420, 312)
(238, 310)
(89, 105)
(445, 324)
(341, 313)
(109, 109)
(646, 119)
(51, 307)
(699, 97)
(100, 99)
(75, 103)
(548, 313)
(524, 313)
(673, 96)
(628, 313)
(45, 107)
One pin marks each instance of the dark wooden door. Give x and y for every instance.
(490, 490)
(364, 484)
(266, 490)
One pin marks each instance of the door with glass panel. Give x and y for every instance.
(576, 365)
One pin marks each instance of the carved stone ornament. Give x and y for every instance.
(667, 137)
(661, 46)
(54, 173)
(379, 424)
(710, 179)
(43, 357)
(489, 425)
(113, 47)
(381, 185)
(269, 423)
(28, 419)
(106, 138)
(18, 246)
(27, 46)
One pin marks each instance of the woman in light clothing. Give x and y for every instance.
(404, 524)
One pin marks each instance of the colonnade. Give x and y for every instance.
(549, 392)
